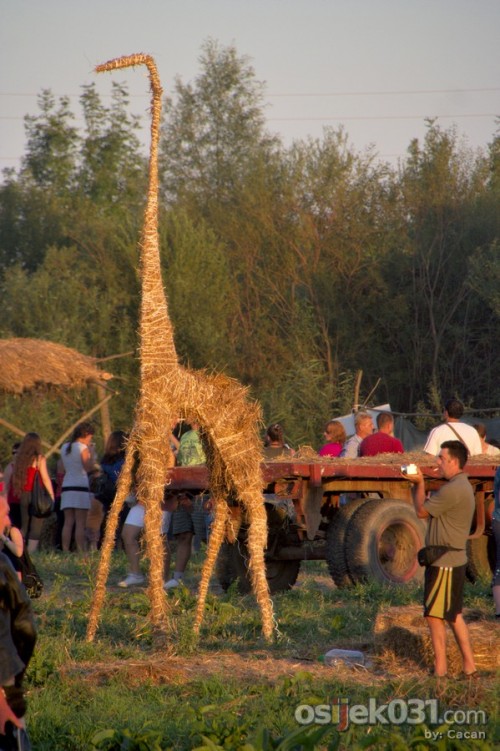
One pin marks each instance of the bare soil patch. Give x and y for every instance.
(254, 668)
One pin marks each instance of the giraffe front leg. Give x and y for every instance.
(214, 544)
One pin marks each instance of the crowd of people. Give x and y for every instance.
(366, 441)
(84, 488)
(84, 485)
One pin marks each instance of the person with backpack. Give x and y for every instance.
(28, 463)
(452, 429)
(103, 487)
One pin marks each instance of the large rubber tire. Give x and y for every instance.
(335, 541)
(382, 542)
(480, 558)
(232, 565)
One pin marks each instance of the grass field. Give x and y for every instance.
(232, 690)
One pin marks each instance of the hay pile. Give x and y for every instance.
(403, 633)
(31, 363)
(421, 458)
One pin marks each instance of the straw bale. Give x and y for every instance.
(28, 364)
(403, 632)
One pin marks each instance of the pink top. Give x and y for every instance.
(330, 449)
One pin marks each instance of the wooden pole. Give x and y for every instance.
(357, 386)
(367, 400)
(105, 417)
(114, 357)
(18, 431)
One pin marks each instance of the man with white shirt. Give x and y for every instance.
(452, 430)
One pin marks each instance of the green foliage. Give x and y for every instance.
(112, 167)
(197, 280)
(302, 739)
(123, 740)
(210, 136)
(442, 185)
(219, 730)
(52, 145)
(485, 276)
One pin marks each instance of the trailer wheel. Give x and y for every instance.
(382, 541)
(335, 541)
(480, 558)
(232, 565)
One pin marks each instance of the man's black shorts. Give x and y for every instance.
(443, 592)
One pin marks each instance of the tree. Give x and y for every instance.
(72, 186)
(442, 183)
(210, 135)
(52, 144)
(199, 290)
(112, 168)
(343, 206)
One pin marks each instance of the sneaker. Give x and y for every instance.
(131, 580)
(172, 583)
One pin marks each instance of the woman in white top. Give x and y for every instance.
(78, 459)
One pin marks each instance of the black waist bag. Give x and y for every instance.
(429, 555)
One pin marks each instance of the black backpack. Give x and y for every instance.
(104, 489)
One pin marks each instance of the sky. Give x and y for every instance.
(378, 68)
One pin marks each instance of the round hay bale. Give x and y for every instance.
(403, 632)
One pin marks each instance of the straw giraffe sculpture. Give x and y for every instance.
(229, 423)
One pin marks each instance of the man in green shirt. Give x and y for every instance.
(450, 511)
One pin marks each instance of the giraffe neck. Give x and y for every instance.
(156, 332)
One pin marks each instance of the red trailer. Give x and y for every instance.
(355, 514)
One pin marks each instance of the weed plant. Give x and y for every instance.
(230, 690)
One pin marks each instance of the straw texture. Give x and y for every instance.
(28, 364)
(229, 424)
(403, 632)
